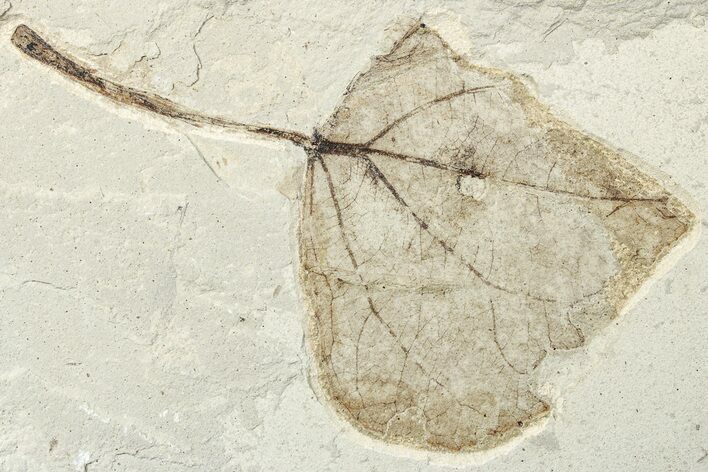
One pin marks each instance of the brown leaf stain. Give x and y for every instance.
(453, 234)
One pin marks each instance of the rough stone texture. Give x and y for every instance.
(150, 314)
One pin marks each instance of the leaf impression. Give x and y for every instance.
(453, 235)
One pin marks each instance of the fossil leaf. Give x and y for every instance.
(453, 235)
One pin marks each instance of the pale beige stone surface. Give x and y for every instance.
(150, 315)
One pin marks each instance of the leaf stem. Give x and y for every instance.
(33, 45)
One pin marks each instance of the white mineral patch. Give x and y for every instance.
(471, 186)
